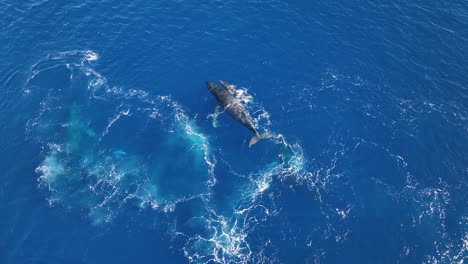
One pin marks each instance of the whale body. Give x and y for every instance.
(233, 106)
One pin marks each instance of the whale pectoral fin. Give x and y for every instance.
(217, 112)
(231, 88)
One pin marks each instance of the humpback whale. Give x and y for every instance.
(227, 99)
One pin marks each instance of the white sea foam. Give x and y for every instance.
(121, 112)
(115, 177)
(228, 237)
(111, 180)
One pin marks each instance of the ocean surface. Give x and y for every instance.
(110, 152)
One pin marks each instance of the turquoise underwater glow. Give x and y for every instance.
(113, 150)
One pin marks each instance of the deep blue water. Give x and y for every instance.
(109, 153)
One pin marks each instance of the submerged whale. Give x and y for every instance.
(227, 99)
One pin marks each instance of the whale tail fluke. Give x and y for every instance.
(257, 138)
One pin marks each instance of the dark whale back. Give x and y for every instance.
(222, 95)
(231, 105)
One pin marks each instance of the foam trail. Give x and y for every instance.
(96, 174)
(114, 119)
(104, 176)
(228, 238)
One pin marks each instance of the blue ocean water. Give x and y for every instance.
(109, 153)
